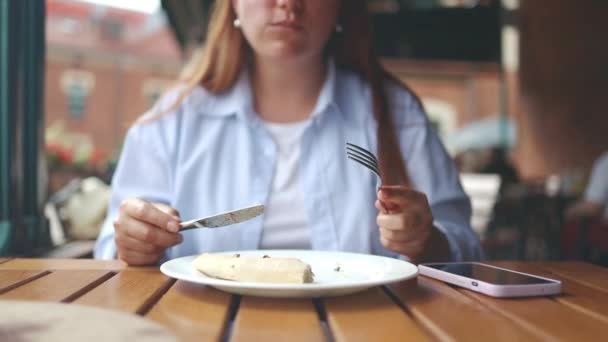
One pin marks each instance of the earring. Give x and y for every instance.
(339, 28)
(237, 23)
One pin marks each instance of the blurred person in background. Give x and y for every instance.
(585, 232)
(263, 117)
(500, 164)
(594, 203)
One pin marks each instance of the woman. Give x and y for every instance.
(263, 118)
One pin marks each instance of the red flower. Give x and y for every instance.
(63, 154)
(97, 156)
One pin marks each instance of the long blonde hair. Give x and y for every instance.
(225, 51)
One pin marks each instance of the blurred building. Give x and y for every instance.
(468, 60)
(105, 66)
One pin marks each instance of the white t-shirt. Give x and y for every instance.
(597, 189)
(285, 222)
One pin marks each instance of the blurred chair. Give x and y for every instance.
(442, 114)
(75, 214)
(585, 238)
(483, 190)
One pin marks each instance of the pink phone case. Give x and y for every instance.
(524, 290)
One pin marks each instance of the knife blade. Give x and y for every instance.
(224, 219)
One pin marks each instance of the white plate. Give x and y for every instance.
(357, 272)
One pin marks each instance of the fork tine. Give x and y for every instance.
(362, 150)
(365, 163)
(367, 159)
(362, 156)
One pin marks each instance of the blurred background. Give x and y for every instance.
(513, 87)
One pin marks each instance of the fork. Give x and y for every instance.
(365, 158)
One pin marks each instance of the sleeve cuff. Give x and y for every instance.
(471, 250)
(104, 249)
(455, 252)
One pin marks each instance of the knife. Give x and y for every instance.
(224, 219)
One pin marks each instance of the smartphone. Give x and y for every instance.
(491, 280)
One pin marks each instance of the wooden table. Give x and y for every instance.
(420, 309)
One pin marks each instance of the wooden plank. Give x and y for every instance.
(63, 264)
(585, 299)
(587, 274)
(11, 278)
(3, 260)
(193, 312)
(126, 291)
(58, 286)
(266, 319)
(370, 316)
(554, 319)
(449, 315)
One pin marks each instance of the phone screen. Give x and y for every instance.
(489, 274)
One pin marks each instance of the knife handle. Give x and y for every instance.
(187, 225)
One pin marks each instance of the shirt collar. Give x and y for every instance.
(235, 100)
(327, 96)
(238, 100)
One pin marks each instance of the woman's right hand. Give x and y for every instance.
(144, 230)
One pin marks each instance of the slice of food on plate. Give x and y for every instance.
(262, 269)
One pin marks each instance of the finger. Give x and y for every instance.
(137, 258)
(167, 209)
(381, 207)
(148, 212)
(391, 221)
(400, 196)
(411, 218)
(378, 205)
(411, 249)
(124, 241)
(391, 189)
(146, 232)
(399, 236)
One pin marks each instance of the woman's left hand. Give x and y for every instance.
(405, 221)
